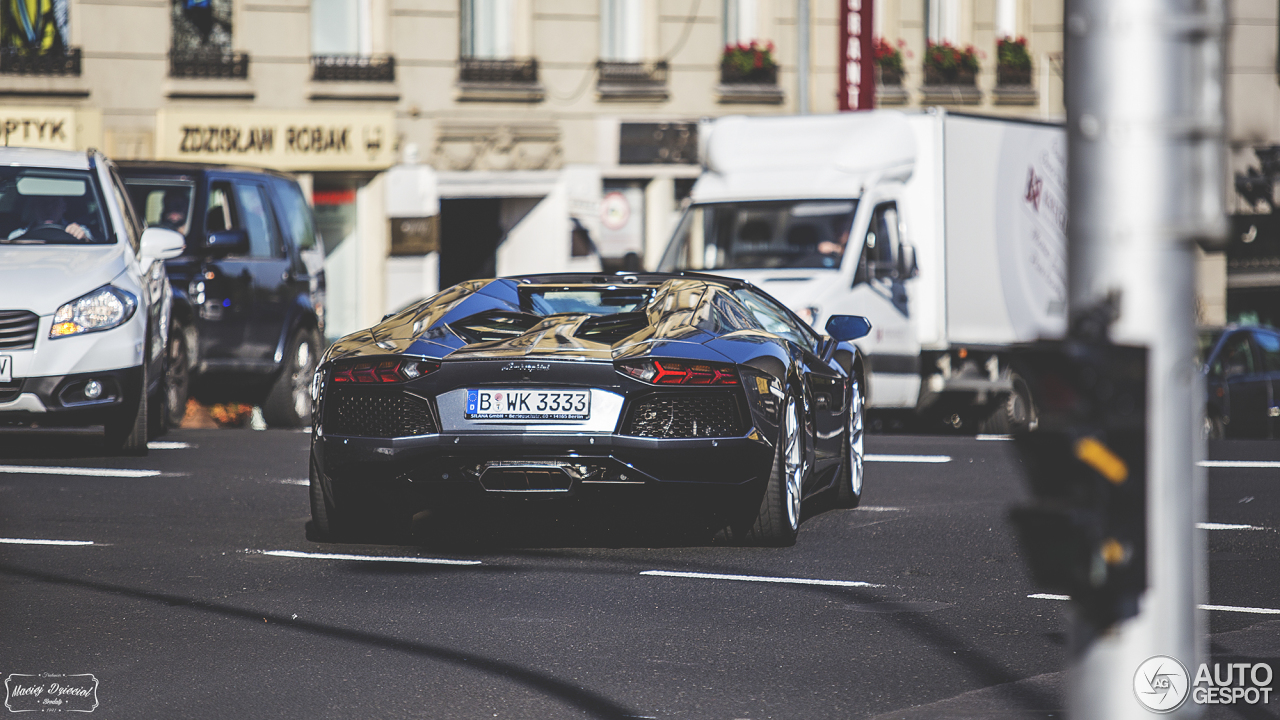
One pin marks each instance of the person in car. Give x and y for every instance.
(48, 211)
(173, 213)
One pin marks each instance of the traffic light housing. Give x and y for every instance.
(1084, 533)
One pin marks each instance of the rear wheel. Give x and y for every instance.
(127, 433)
(849, 489)
(777, 521)
(360, 524)
(177, 381)
(289, 402)
(1016, 414)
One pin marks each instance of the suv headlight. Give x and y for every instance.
(102, 309)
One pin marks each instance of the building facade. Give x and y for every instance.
(525, 135)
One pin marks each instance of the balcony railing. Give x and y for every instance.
(632, 73)
(354, 68)
(484, 70)
(19, 62)
(213, 64)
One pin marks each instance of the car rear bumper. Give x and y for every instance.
(486, 467)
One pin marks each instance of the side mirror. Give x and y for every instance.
(848, 327)
(228, 242)
(907, 266)
(162, 243)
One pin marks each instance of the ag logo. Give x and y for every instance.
(1161, 684)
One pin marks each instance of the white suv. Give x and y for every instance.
(84, 301)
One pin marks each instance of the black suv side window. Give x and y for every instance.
(1269, 344)
(297, 215)
(1236, 357)
(221, 215)
(258, 220)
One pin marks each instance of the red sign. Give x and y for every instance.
(857, 55)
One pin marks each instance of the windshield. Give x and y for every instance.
(591, 301)
(50, 207)
(163, 203)
(790, 234)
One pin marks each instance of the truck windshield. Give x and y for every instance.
(789, 234)
(50, 207)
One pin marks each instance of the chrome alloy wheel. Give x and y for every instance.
(301, 380)
(855, 438)
(793, 463)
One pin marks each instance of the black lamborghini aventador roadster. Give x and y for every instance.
(578, 386)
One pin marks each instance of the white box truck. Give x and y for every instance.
(946, 230)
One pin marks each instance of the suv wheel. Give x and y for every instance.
(289, 402)
(177, 379)
(127, 435)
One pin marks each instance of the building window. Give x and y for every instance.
(486, 29)
(342, 43)
(621, 30)
(341, 27)
(942, 20)
(488, 69)
(202, 41)
(741, 21)
(34, 39)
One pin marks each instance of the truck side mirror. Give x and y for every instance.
(848, 327)
(228, 242)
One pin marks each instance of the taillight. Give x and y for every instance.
(680, 372)
(383, 371)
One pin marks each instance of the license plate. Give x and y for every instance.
(6, 368)
(506, 404)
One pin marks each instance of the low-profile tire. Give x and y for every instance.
(177, 379)
(127, 433)
(777, 521)
(288, 404)
(336, 523)
(849, 487)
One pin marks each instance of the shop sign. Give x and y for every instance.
(281, 140)
(52, 128)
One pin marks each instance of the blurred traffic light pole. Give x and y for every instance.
(1146, 182)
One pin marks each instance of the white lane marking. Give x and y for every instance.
(908, 458)
(33, 541)
(1240, 463)
(368, 558)
(1229, 608)
(166, 445)
(86, 472)
(1220, 608)
(879, 508)
(294, 481)
(1226, 526)
(993, 437)
(760, 578)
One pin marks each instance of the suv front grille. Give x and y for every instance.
(382, 414)
(685, 416)
(18, 329)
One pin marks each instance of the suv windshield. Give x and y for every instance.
(163, 203)
(792, 234)
(50, 207)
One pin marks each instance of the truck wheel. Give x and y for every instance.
(777, 521)
(288, 404)
(1016, 414)
(127, 434)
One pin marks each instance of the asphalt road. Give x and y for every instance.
(200, 596)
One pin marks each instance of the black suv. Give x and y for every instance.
(248, 292)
